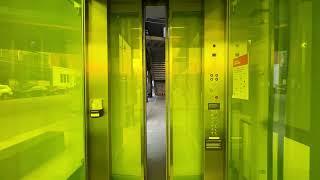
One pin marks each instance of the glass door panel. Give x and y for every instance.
(127, 89)
(273, 113)
(292, 90)
(41, 90)
(184, 70)
(249, 67)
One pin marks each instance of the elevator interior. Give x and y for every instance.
(73, 91)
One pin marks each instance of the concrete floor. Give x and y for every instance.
(156, 138)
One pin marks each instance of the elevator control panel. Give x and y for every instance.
(214, 89)
(214, 128)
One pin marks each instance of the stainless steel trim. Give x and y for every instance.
(98, 166)
(144, 121)
(214, 89)
(85, 86)
(228, 91)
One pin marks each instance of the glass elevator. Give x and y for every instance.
(239, 81)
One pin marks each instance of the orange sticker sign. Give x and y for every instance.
(240, 77)
(240, 61)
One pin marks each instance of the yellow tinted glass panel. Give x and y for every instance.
(184, 76)
(127, 99)
(41, 90)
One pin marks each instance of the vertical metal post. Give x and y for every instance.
(97, 140)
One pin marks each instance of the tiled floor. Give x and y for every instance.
(156, 138)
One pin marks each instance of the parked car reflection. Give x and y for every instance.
(5, 92)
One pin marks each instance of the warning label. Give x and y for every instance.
(240, 78)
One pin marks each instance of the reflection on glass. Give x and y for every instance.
(249, 41)
(126, 89)
(270, 131)
(41, 90)
(292, 73)
(185, 110)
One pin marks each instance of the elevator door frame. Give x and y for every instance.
(93, 134)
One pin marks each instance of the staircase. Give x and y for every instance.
(158, 67)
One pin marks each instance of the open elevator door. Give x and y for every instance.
(196, 89)
(116, 90)
(195, 85)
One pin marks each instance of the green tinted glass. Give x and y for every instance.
(127, 99)
(41, 90)
(292, 88)
(184, 80)
(249, 61)
(273, 123)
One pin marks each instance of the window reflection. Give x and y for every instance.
(41, 80)
(270, 132)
